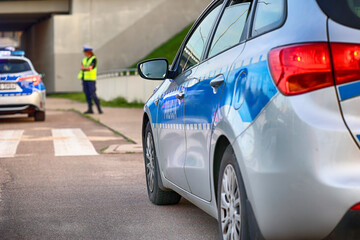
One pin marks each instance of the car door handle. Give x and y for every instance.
(217, 82)
(180, 95)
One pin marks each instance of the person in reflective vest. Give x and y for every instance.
(88, 76)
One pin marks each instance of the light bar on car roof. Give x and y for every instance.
(18, 53)
(5, 53)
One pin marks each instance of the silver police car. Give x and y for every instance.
(257, 122)
(21, 88)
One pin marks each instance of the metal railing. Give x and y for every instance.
(125, 83)
(118, 73)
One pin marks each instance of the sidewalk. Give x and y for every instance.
(126, 121)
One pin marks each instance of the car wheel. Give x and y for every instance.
(155, 193)
(231, 198)
(39, 116)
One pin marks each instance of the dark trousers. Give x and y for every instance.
(90, 92)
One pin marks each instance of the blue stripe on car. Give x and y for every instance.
(26, 87)
(254, 90)
(257, 88)
(349, 90)
(9, 78)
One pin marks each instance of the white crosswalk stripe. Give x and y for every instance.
(9, 141)
(66, 142)
(72, 142)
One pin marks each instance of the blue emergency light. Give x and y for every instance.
(19, 53)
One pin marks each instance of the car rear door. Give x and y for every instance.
(344, 38)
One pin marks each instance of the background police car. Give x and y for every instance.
(21, 88)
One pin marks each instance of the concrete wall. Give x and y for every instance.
(132, 88)
(120, 31)
(38, 44)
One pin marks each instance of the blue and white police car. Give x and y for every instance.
(21, 88)
(257, 121)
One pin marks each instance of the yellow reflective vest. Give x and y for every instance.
(88, 75)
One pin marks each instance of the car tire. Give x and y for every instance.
(39, 116)
(231, 199)
(156, 195)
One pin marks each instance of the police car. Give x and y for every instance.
(21, 88)
(257, 121)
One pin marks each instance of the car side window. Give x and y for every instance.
(231, 26)
(195, 46)
(269, 14)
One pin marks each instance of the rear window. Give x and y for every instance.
(269, 15)
(13, 66)
(346, 12)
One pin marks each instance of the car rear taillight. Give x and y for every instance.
(302, 68)
(356, 207)
(346, 58)
(35, 79)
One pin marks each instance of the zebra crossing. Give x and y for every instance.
(72, 142)
(9, 141)
(66, 142)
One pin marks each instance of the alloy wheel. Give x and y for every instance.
(230, 205)
(150, 158)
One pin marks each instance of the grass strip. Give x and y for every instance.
(169, 49)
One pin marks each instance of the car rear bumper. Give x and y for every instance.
(22, 104)
(301, 167)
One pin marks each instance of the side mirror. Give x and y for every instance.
(154, 69)
(42, 75)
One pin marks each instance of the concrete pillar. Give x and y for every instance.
(38, 43)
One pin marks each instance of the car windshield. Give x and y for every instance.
(13, 66)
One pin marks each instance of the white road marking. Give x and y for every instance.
(9, 141)
(72, 142)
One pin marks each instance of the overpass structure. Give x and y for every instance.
(21, 15)
(120, 31)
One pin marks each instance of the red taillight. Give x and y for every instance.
(346, 58)
(356, 207)
(301, 68)
(35, 79)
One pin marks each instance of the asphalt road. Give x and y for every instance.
(45, 194)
